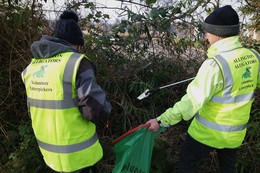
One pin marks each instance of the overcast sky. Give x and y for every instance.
(60, 5)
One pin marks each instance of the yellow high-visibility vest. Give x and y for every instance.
(222, 122)
(67, 141)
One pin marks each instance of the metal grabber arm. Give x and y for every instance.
(147, 92)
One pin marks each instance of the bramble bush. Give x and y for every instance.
(145, 51)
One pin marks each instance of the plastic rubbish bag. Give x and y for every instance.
(133, 150)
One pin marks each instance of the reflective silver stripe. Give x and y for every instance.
(255, 53)
(258, 57)
(53, 104)
(23, 73)
(220, 127)
(68, 101)
(227, 98)
(68, 148)
(68, 75)
(230, 99)
(227, 75)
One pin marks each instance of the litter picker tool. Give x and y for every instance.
(147, 92)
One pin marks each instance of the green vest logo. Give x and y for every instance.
(247, 74)
(40, 72)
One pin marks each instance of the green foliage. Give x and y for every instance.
(250, 9)
(149, 2)
(159, 46)
(20, 25)
(252, 26)
(249, 153)
(21, 158)
(161, 160)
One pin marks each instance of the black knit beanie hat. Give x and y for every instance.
(67, 28)
(223, 22)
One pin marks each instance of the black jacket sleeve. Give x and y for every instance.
(92, 99)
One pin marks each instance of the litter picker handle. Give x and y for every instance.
(166, 86)
(147, 92)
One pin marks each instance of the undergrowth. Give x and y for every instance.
(126, 67)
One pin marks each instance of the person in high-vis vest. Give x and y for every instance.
(219, 98)
(65, 102)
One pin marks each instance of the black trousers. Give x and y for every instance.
(192, 151)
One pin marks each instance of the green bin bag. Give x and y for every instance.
(133, 150)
